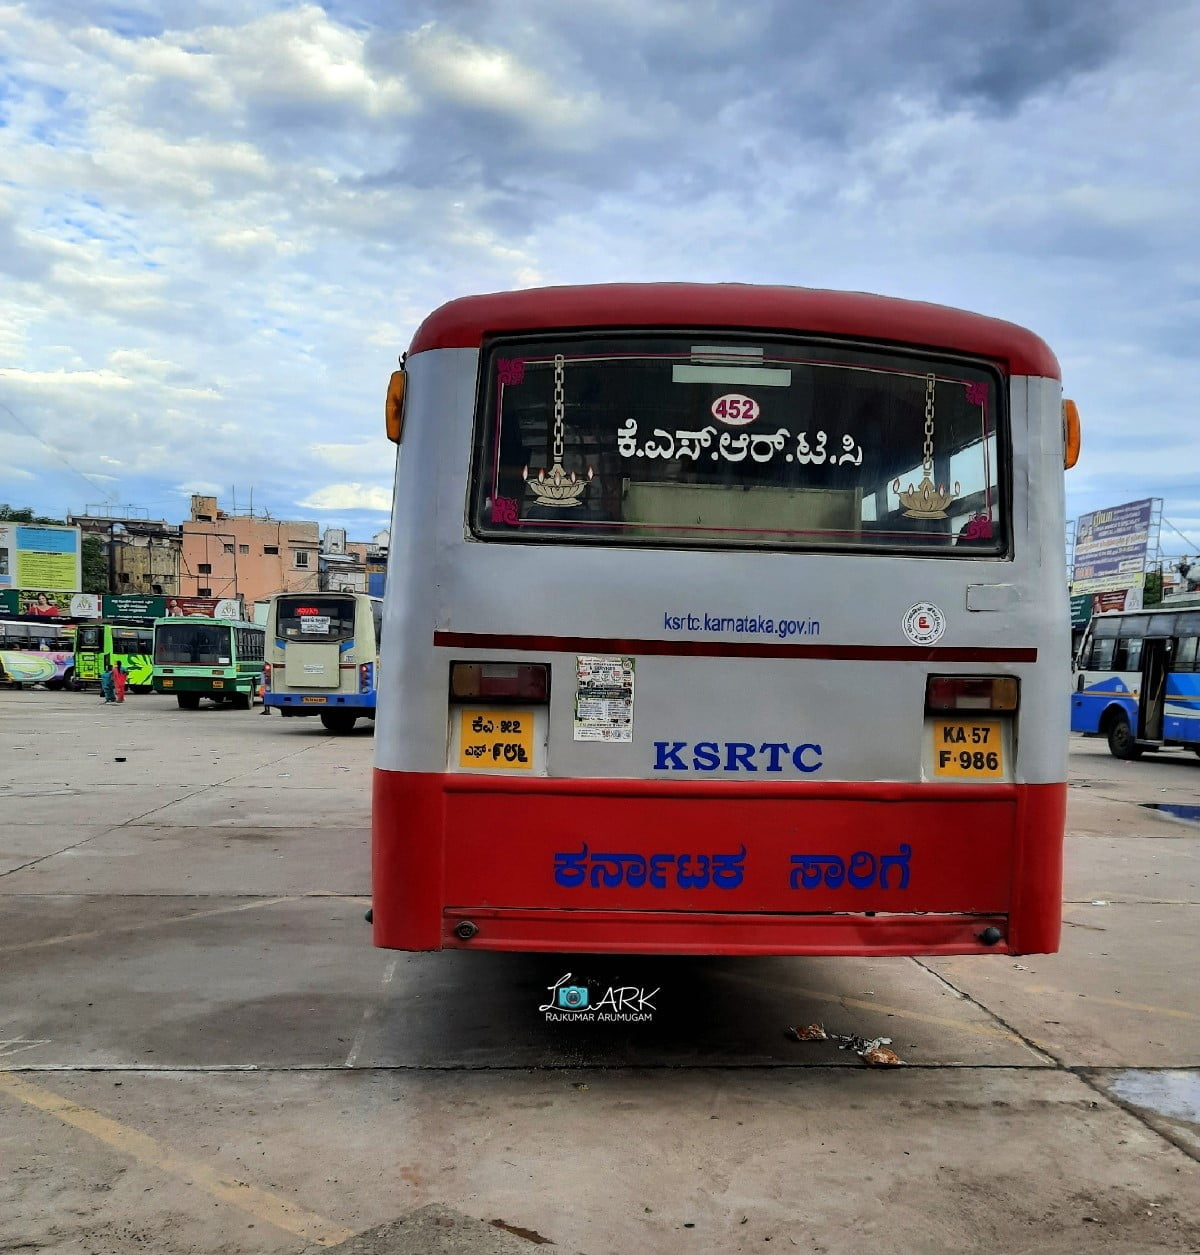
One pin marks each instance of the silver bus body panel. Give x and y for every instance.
(866, 716)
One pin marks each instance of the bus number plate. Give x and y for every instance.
(496, 739)
(968, 750)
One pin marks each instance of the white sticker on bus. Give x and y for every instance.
(923, 623)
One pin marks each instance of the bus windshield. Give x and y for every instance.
(186, 644)
(312, 618)
(763, 441)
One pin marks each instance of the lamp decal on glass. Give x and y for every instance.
(926, 501)
(557, 486)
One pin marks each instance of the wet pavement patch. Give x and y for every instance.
(1175, 1095)
(1174, 810)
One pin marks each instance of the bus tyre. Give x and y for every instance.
(242, 701)
(188, 701)
(337, 721)
(1121, 743)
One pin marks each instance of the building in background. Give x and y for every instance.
(247, 555)
(142, 554)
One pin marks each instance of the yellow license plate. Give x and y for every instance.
(968, 749)
(488, 738)
(313, 701)
(168, 684)
(218, 684)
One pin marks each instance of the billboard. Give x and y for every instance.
(132, 606)
(45, 605)
(1111, 547)
(40, 557)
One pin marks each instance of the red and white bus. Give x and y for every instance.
(723, 619)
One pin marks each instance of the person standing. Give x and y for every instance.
(107, 689)
(120, 679)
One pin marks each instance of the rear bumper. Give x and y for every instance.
(629, 866)
(198, 684)
(300, 704)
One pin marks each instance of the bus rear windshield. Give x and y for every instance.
(315, 618)
(184, 644)
(765, 441)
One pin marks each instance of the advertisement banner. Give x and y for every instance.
(1111, 547)
(40, 557)
(203, 607)
(122, 607)
(1081, 610)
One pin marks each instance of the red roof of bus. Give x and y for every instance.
(463, 323)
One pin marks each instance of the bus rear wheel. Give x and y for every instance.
(337, 721)
(1121, 743)
(188, 701)
(241, 701)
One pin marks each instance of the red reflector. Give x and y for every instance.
(500, 681)
(971, 692)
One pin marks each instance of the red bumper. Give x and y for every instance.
(632, 866)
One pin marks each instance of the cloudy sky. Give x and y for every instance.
(220, 222)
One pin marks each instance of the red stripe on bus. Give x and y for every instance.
(467, 321)
(730, 649)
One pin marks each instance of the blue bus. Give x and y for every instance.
(323, 656)
(1137, 680)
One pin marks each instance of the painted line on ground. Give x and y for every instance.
(1124, 1005)
(146, 1150)
(368, 1016)
(65, 939)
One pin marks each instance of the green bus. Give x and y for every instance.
(98, 643)
(196, 657)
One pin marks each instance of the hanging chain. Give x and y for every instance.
(927, 458)
(559, 406)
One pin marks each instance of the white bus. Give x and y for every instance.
(723, 619)
(323, 656)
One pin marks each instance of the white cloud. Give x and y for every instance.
(348, 497)
(353, 457)
(216, 239)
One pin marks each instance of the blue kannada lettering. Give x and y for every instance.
(864, 870)
(573, 869)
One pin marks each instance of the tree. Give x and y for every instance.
(95, 566)
(11, 514)
(1152, 595)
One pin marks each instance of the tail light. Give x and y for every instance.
(365, 676)
(500, 682)
(971, 692)
(266, 677)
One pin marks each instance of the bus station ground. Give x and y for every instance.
(200, 1051)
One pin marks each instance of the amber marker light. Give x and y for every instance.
(1071, 437)
(393, 409)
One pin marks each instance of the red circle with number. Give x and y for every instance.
(735, 410)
